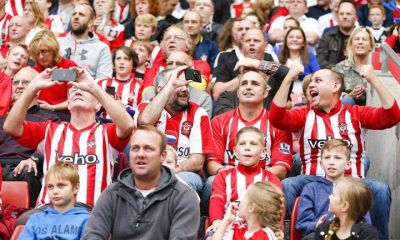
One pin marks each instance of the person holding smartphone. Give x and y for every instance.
(92, 147)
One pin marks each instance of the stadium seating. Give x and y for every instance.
(16, 193)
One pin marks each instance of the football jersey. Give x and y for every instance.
(188, 132)
(225, 127)
(15, 7)
(343, 122)
(92, 150)
(240, 232)
(230, 185)
(126, 91)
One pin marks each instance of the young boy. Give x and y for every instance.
(314, 199)
(230, 185)
(143, 49)
(171, 160)
(62, 220)
(377, 16)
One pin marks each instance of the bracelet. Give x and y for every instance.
(53, 108)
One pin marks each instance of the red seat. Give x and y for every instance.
(294, 234)
(16, 193)
(17, 232)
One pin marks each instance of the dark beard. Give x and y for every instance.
(179, 106)
(80, 30)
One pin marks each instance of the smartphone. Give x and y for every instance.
(64, 75)
(111, 91)
(193, 74)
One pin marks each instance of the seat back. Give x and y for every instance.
(294, 234)
(17, 232)
(16, 193)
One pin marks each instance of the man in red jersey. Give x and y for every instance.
(90, 146)
(327, 118)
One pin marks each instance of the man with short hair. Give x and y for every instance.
(252, 46)
(205, 49)
(11, 153)
(148, 201)
(176, 59)
(331, 47)
(18, 28)
(297, 10)
(186, 125)
(327, 118)
(90, 146)
(84, 48)
(211, 29)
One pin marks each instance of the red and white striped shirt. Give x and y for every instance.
(343, 122)
(4, 22)
(231, 184)
(225, 127)
(92, 150)
(127, 92)
(188, 132)
(15, 7)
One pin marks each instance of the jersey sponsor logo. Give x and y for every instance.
(183, 151)
(319, 143)
(284, 148)
(171, 137)
(78, 159)
(186, 128)
(232, 156)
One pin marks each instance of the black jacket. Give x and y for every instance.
(359, 231)
(330, 49)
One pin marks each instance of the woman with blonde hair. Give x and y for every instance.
(35, 19)
(360, 45)
(45, 51)
(349, 202)
(260, 211)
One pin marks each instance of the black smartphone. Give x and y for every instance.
(193, 74)
(111, 91)
(64, 75)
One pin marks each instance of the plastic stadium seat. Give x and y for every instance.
(17, 232)
(294, 234)
(16, 193)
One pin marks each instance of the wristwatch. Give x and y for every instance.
(35, 159)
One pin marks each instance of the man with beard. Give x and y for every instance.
(186, 125)
(83, 47)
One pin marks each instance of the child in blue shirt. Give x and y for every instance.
(62, 220)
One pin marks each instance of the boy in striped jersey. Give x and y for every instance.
(327, 118)
(230, 184)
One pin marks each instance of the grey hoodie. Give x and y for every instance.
(171, 211)
(91, 54)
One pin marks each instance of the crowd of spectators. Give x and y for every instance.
(198, 71)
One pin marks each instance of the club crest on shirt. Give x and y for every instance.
(204, 57)
(186, 128)
(343, 127)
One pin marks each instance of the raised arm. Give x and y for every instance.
(281, 96)
(152, 111)
(115, 110)
(15, 119)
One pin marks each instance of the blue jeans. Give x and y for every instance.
(381, 196)
(205, 195)
(193, 180)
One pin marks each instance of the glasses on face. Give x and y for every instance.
(179, 38)
(22, 81)
(175, 63)
(44, 52)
